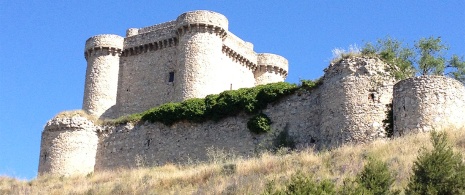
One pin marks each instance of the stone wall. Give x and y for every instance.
(318, 119)
(349, 106)
(68, 145)
(425, 103)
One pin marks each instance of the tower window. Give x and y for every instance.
(171, 78)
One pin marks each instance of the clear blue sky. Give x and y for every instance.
(42, 65)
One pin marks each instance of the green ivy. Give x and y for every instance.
(260, 123)
(215, 107)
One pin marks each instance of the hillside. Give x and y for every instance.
(226, 173)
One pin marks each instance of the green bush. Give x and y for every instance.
(375, 177)
(440, 171)
(302, 184)
(217, 106)
(259, 123)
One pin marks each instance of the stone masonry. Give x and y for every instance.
(351, 105)
(190, 57)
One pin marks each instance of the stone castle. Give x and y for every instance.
(192, 56)
(196, 55)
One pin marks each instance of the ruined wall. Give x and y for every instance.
(354, 100)
(68, 146)
(425, 103)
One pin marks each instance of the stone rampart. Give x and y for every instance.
(425, 103)
(68, 146)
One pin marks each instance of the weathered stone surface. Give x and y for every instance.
(425, 103)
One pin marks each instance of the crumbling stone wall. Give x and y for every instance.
(68, 145)
(425, 103)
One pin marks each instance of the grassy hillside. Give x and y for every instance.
(226, 174)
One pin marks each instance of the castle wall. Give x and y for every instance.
(425, 103)
(68, 146)
(354, 100)
(149, 144)
(144, 80)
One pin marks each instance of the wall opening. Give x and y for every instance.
(171, 77)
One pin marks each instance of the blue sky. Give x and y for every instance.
(42, 65)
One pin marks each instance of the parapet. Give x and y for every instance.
(272, 63)
(114, 43)
(202, 17)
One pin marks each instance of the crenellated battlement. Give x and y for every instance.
(202, 28)
(235, 56)
(153, 46)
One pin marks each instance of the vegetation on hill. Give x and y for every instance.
(379, 167)
(427, 57)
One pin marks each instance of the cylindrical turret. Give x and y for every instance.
(68, 146)
(426, 103)
(355, 96)
(102, 53)
(271, 68)
(201, 36)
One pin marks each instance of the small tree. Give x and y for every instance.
(375, 177)
(431, 58)
(399, 57)
(440, 171)
(458, 64)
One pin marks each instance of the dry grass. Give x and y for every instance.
(239, 176)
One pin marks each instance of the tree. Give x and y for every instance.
(440, 171)
(392, 51)
(458, 64)
(430, 56)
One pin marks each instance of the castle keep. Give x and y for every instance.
(195, 56)
(190, 57)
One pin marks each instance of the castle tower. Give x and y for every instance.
(102, 53)
(355, 95)
(200, 35)
(68, 145)
(426, 103)
(271, 68)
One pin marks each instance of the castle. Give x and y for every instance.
(195, 56)
(190, 57)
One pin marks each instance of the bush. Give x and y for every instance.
(259, 123)
(215, 107)
(440, 171)
(375, 177)
(302, 184)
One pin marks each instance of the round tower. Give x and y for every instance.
(200, 35)
(355, 97)
(425, 103)
(68, 145)
(102, 53)
(271, 68)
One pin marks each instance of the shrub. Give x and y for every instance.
(375, 177)
(259, 123)
(440, 171)
(302, 184)
(215, 107)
